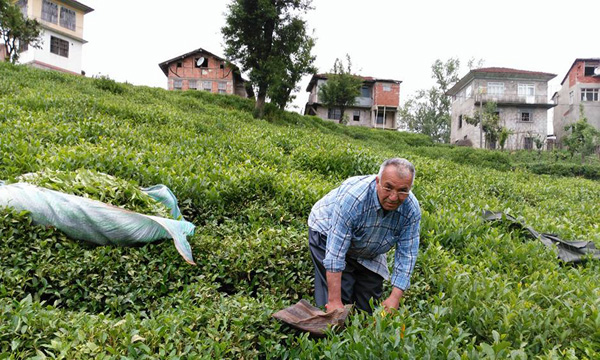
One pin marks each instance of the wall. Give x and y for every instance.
(34, 9)
(387, 98)
(43, 58)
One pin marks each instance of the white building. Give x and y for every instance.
(62, 36)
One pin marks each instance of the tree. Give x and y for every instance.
(268, 39)
(583, 139)
(17, 31)
(429, 111)
(341, 89)
(294, 66)
(489, 121)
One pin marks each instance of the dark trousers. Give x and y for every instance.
(359, 284)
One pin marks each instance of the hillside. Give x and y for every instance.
(478, 291)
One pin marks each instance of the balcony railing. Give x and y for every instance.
(512, 98)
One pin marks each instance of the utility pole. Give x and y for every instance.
(480, 118)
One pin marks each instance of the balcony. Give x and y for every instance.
(514, 99)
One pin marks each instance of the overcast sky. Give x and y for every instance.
(391, 39)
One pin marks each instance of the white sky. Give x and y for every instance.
(391, 39)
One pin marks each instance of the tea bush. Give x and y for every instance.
(479, 290)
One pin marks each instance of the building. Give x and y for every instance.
(62, 36)
(203, 70)
(376, 107)
(579, 88)
(522, 105)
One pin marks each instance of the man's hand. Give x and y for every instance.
(393, 301)
(332, 306)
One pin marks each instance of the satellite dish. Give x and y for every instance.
(597, 71)
(200, 61)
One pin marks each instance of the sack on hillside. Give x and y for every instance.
(96, 222)
(303, 316)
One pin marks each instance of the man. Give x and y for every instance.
(352, 228)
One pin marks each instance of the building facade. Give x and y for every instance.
(522, 106)
(62, 36)
(376, 107)
(579, 90)
(203, 70)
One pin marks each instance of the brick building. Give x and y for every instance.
(579, 88)
(203, 70)
(376, 107)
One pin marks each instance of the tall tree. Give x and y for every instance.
(17, 31)
(292, 68)
(429, 111)
(341, 89)
(266, 38)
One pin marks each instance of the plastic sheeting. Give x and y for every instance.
(99, 223)
(568, 251)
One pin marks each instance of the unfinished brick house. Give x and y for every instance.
(579, 87)
(522, 103)
(376, 106)
(203, 70)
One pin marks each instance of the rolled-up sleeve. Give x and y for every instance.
(340, 234)
(407, 249)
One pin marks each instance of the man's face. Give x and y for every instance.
(392, 188)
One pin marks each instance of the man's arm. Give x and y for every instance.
(334, 290)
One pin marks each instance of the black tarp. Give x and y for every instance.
(568, 251)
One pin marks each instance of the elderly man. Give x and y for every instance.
(353, 227)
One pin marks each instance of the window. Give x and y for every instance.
(59, 46)
(589, 69)
(221, 66)
(179, 64)
(526, 89)
(356, 115)
(495, 88)
(380, 119)
(334, 113)
(468, 92)
(49, 11)
(67, 18)
(177, 84)
(192, 84)
(22, 4)
(589, 94)
(207, 86)
(571, 98)
(387, 87)
(201, 62)
(222, 88)
(459, 121)
(528, 143)
(365, 91)
(525, 115)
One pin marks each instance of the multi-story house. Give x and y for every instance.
(580, 89)
(376, 106)
(62, 36)
(203, 70)
(522, 105)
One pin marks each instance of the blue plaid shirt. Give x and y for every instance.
(357, 226)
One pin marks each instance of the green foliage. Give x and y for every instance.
(248, 184)
(270, 42)
(489, 120)
(429, 111)
(17, 31)
(341, 89)
(104, 82)
(583, 139)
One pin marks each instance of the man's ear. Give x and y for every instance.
(377, 179)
